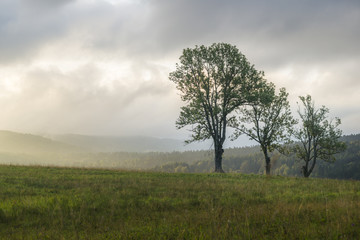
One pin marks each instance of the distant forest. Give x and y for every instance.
(249, 160)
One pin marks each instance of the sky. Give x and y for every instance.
(101, 67)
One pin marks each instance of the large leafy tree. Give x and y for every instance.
(213, 82)
(268, 122)
(319, 137)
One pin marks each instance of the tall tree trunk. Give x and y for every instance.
(218, 159)
(305, 171)
(268, 164)
(267, 160)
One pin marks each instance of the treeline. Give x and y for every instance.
(250, 160)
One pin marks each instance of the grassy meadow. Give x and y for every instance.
(71, 203)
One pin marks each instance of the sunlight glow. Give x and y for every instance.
(9, 82)
(118, 2)
(114, 72)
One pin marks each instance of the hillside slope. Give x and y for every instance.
(13, 142)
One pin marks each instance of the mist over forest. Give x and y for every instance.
(163, 155)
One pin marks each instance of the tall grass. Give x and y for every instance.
(64, 203)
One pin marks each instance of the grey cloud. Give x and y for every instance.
(27, 26)
(83, 87)
(320, 36)
(45, 4)
(270, 32)
(283, 31)
(288, 30)
(25, 30)
(155, 28)
(51, 100)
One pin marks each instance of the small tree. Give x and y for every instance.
(268, 122)
(319, 138)
(213, 82)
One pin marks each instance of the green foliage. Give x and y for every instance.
(60, 203)
(268, 122)
(250, 160)
(271, 121)
(213, 82)
(319, 138)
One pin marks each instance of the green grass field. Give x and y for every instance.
(65, 203)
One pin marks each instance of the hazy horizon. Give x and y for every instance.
(101, 67)
(178, 143)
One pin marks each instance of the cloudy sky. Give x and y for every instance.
(101, 66)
